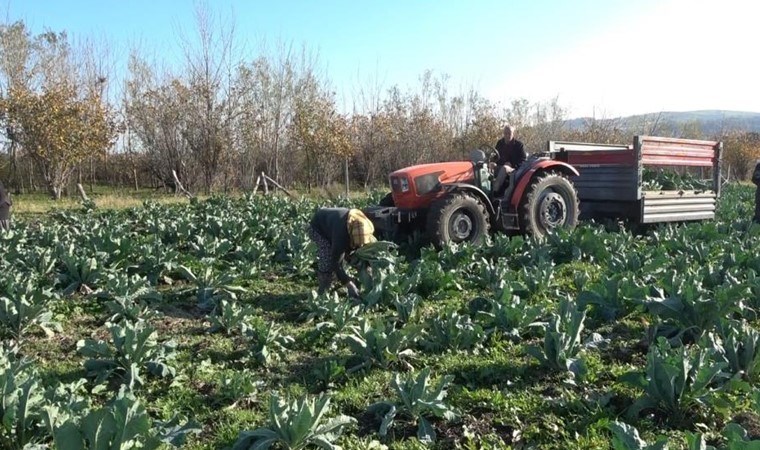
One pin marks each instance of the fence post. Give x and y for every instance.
(256, 184)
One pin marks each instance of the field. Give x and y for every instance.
(192, 324)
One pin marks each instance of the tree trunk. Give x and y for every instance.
(346, 173)
(308, 172)
(55, 192)
(32, 187)
(15, 179)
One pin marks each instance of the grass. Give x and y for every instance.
(37, 204)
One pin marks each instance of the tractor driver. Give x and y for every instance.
(511, 153)
(338, 231)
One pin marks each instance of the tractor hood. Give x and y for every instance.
(457, 170)
(416, 186)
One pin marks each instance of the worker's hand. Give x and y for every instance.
(508, 168)
(353, 291)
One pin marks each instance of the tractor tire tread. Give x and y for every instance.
(536, 186)
(436, 222)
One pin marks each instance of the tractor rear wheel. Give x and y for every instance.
(457, 218)
(550, 202)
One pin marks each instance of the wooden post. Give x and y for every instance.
(256, 184)
(82, 193)
(716, 169)
(277, 185)
(264, 179)
(134, 172)
(180, 188)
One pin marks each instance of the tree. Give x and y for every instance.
(17, 69)
(482, 127)
(321, 133)
(155, 117)
(210, 100)
(52, 106)
(58, 129)
(370, 134)
(741, 151)
(267, 89)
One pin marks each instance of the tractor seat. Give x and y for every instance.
(478, 157)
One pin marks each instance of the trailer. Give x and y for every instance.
(610, 182)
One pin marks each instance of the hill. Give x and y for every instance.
(710, 122)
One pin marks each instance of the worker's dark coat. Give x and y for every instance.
(331, 223)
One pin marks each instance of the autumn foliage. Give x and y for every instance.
(321, 134)
(741, 150)
(58, 129)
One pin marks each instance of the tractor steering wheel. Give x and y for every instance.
(492, 156)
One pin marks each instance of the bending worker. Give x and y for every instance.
(5, 208)
(337, 232)
(511, 153)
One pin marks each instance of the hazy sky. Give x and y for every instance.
(613, 57)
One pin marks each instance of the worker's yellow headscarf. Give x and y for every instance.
(360, 229)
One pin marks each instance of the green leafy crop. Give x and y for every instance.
(132, 350)
(419, 398)
(296, 424)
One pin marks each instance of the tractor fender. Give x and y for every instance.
(474, 190)
(540, 166)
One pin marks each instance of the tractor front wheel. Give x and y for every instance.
(550, 202)
(457, 218)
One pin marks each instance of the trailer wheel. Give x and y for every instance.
(457, 218)
(549, 202)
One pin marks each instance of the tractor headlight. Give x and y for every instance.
(399, 184)
(404, 184)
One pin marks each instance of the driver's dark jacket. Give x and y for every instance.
(512, 153)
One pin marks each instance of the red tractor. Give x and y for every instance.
(454, 202)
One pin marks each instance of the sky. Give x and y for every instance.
(603, 58)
